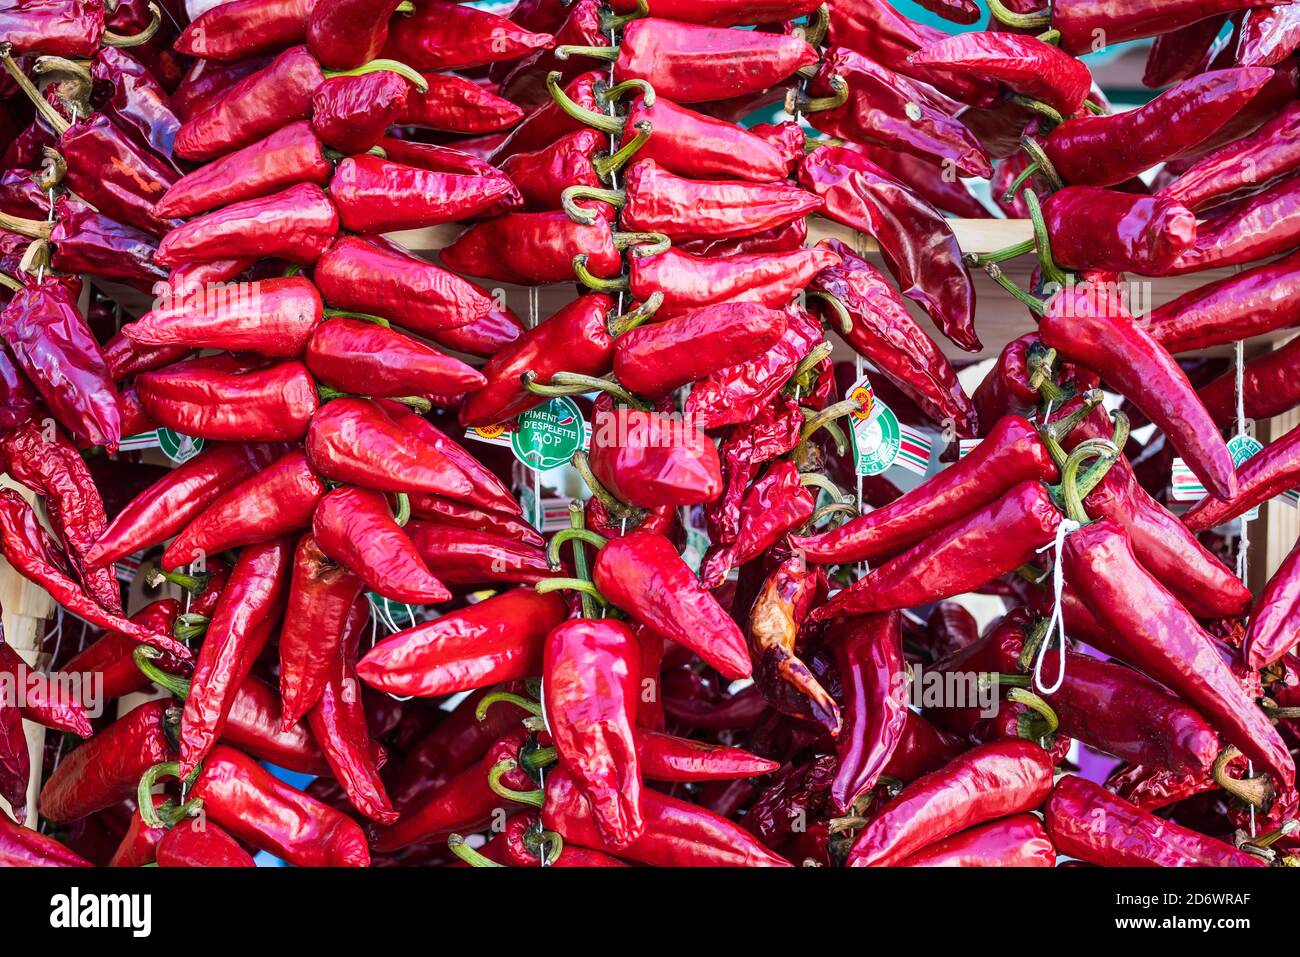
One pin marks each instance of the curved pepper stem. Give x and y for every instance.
(1021, 21)
(1028, 726)
(617, 284)
(819, 21)
(612, 125)
(169, 815)
(1035, 305)
(53, 169)
(410, 74)
(1058, 430)
(1286, 829)
(578, 519)
(629, 515)
(618, 325)
(1038, 157)
(836, 433)
(1016, 184)
(1256, 792)
(456, 844)
(50, 114)
(500, 770)
(348, 314)
(1070, 489)
(1051, 272)
(587, 217)
(1092, 478)
(828, 415)
(837, 306)
(616, 92)
(190, 626)
(496, 697)
(1052, 37)
(817, 480)
(605, 54)
(1041, 361)
(43, 65)
(544, 845)
(571, 383)
(1036, 106)
(144, 657)
(594, 539)
(570, 584)
(535, 759)
(607, 165)
(8, 282)
(194, 584)
(647, 244)
(110, 39)
(610, 22)
(796, 101)
(31, 228)
(834, 508)
(402, 512)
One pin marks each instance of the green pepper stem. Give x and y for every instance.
(546, 846)
(348, 314)
(456, 844)
(1010, 195)
(817, 480)
(1001, 255)
(610, 22)
(1037, 705)
(594, 539)
(1036, 106)
(1021, 21)
(194, 584)
(605, 54)
(1058, 430)
(110, 39)
(31, 228)
(796, 101)
(1052, 37)
(1093, 477)
(587, 217)
(572, 383)
(1038, 156)
(500, 770)
(648, 244)
(43, 106)
(1286, 829)
(402, 511)
(1096, 109)
(819, 21)
(1034, 637)
(538, 758)
(144, 792)
(405, 8)
(1033, 303)
(618, 325)
(577, 519)
(612, 125)
(417, 402)
(834, 508)
(617, 284)
(1084, 452)
(829, 414)
(532, 707)
(606, 165)
(837, 307)
(616, 92)
(570, 584)
(144, 657)
(1051, 272)
(386, 66)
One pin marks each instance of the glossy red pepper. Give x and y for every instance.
(1090, 325)
(348, 33)
(297, 224)
(23, 847)
(376, 195)
(453, 104)
(676, 833)
(194, 844)
(1016, 841)
(357, 356)
(1268, 35)
(110, 657)
(224, 398)
(241, 625)
(1012, 453)
(1025, 65)
(445, 511)
(1079, 20)
(987, 782)
(440, 36)
(498, 639)
(242, 29)
(549, 122)
(378, 278)
(170, 504)
(879, 108)
(38, 558)
(1262, 225)
(650, 460)
(1088, 822)
(461, 556)
(275, 319)
(1183, 53)
(40, 700)
(355, 527)
(140, 842)
(918, 245)
(1103, 229)
(534, 248)
(45, 332)
(1269, 387)
(276, 501)
(1242, 167)
(771, 507)
(1164, 640)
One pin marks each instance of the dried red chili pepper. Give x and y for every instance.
(46, 334)
(348, 33)
(861, 100)
(376, 195)
(191, 844)
(175, 500)
(1088, 822)
(275, 319)
(1268, 35)
(1090, 325)
(261, 810)
(1010, 454)
(460, 556)
(441, 36)
(1107, 150)
(495, 640)
(1103, 229)
(241, 625)
(378, 278)
(140, 842)
(111, 657)
(355, 441)
(1262, 225)
(357, 356)
(288, 156)
(1269, 387)
(445, 511)
(107, 768)
(1272, 630)
(23, 847)
(1025, 65)
(869, 657)
(297, 224)
(987, 782)
(649, 460)
(1016, 841)
(225, 398)
(535, 248)
(242, 29)
(41, 701)
(354, 527)
(676, 833)
(453, 104)
(35, 556)
(549, 122)
(772, 506)
(862, 195)
(542, 176)
(276, 501)
(1164, 640)
(1183, 53)
(1241, 168)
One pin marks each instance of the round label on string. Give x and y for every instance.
(875, 434)
(548, 436)
(1242, 447)
(179, 448)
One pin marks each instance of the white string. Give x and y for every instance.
(1243, 544)
(1057, 622)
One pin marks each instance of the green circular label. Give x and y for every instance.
(179, 448)
(876, 441)
(548, 436)
(1242, 447)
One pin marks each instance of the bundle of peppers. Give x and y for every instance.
(723, 639)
